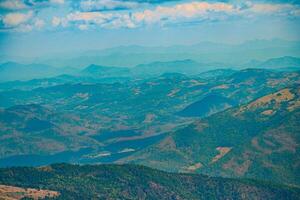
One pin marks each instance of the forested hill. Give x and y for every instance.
(137, 182)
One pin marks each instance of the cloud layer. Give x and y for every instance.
(28, 15)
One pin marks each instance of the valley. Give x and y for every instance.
(240, 123)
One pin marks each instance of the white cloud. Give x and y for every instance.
(105, 20)
(12, 5)
(271, 8)
(135, 19)
(92, 5)
(104, 14)
(57, 1)
(83, 26)
(39, 23)
(15, 19)
(182, 11)
(56, 21)
(88, 17)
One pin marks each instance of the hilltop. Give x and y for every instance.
(137, 182)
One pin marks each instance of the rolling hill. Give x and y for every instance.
(136, 121)
(187, 67)
(279, 63)
(104, 71)
(207, 106)
(258, 140)
(65, 181)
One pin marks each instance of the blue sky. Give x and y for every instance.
(41, 27)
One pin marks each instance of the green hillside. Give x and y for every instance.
(257, 140)
(137, 182)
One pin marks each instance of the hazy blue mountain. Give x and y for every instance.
(279, 63)
(282, 63)
(14, 71)
(180, 66)
(205, 52)
(216, 73)
(104, 71)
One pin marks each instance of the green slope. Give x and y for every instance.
(137, 182)
(258, 140)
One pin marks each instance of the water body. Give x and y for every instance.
(112, 153)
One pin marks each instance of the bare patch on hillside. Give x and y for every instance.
(278, 97)
(294, 105)
(149, 118)
(16, 193)
(45, 168)
(173, 93)
(223, 86)
(194, 83)
(167, 143)
(268, 112)
(194, 167)
(238, 169)
(222, 152)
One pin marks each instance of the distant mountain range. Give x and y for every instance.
(104, 71)
(181, 66)
(14, 71)
(204, 52)
(281, 63)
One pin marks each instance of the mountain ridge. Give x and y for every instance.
(137, 182)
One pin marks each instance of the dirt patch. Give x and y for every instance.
(16, 193)
(194, 167)
(294, 105)
(278, 97)
(223, 86)
(238, 169)
(255, 145)
(268, 112)
(284, 95)
(167, 144)
(149, 118)
(173, 93)
(194, 83)
(222, 152)
(45, 168)
(286, 141)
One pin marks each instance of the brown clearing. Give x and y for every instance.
(194, 167)
(173, 93)
(16, 193)
(222, 152)
(149, 118)
(267, 112)
(223, 86)
(278, 97)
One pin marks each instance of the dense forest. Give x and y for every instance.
(137, 182)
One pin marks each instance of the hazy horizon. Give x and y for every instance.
(41, 28)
